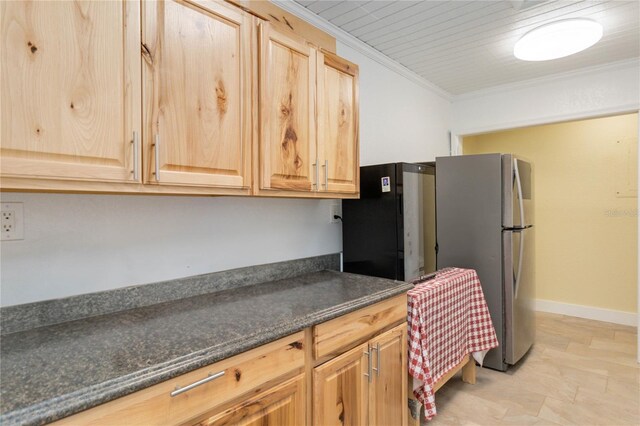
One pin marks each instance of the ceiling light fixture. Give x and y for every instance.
(558, 39)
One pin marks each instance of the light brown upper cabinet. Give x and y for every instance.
(287, 112)
(197, 92)
(172, 97)
(338, 124)
(70, 90)
(308, 119)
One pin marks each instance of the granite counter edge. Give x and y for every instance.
(87, 398)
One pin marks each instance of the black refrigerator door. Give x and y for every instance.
(369, 229)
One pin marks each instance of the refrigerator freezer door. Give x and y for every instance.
(518, 247)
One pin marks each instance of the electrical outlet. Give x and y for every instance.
(11, 222)
(335, 210)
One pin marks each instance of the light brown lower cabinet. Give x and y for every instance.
(282, 405)
(340, 387)
(350, 370)
(388, 387)
(366, 385)
(204, 395)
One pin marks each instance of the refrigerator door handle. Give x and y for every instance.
(519, 187)
(509, 280)
(519, 272)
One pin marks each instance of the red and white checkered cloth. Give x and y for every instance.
(448, 318)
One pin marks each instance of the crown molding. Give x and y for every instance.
(596, 69)
(360, 46)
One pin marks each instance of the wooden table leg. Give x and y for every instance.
(413, 404)
(469, 371)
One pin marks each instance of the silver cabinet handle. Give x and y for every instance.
(135, 143)
(211, 377)
(315, 172)
(377, 349)
(156, 149)
(326, 174)
(368, 373)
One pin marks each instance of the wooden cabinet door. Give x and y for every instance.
(388, 388)
(197, 84)
(287, 112)
(340, 389)
(282, 405)
(70, 89)
(338, 124)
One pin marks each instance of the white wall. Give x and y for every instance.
(599, 91)
(78, 244)
(400, 119)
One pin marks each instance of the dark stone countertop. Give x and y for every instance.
(51, 372)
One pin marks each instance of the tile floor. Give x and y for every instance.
(579, 372)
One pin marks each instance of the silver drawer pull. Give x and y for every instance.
(377, 349)
(326, 175)
(135, 146)
(211, 377)
(315, 168)
(156, 153)
(368, 373)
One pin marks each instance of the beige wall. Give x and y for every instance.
(586, 212)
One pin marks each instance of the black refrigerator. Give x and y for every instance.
(390, 232)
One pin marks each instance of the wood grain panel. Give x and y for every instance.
(373, 12)
(388, 393)
(244, 373)
(70, 89)
(287, 102)
(437, 40)
(282, 405)
(68, 186)
(336, 335)
(198, 93)
(340, 390)
(337, 112)
(287, 22)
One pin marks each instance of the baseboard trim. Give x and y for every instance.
(588, 312)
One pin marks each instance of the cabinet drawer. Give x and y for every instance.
(342, 333)
(280, 405)
(242, 373)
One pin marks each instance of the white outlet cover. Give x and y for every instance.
(17, 229)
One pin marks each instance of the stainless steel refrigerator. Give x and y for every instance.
(484, 208)
(390, 231)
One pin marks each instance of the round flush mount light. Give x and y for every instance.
(558, 39)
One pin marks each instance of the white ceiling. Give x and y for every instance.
(463, 46)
